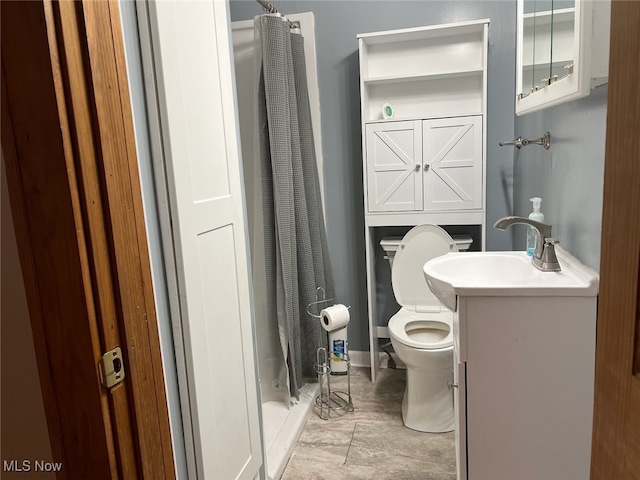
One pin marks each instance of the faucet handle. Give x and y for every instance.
(549, 260)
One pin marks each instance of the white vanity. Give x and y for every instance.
(524, 352)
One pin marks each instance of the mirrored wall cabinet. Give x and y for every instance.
(562, 51)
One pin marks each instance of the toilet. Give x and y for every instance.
(421, 332)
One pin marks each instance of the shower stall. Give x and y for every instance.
(283, 414)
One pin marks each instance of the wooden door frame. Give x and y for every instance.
(69, 147)
(616, 433)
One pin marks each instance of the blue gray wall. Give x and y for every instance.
(569, 176)
(337, 24)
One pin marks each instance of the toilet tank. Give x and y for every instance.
(390, 245)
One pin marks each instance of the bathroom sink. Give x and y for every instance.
(505, 274)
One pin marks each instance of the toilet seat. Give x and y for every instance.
(423, 322)
(431, 331)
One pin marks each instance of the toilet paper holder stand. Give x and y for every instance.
(329, 399)
(320, 293)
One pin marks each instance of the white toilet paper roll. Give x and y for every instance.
(334, 317)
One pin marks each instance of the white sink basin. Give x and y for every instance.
(505, 274)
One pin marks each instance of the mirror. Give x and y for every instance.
(548, 35)
(537, 45)
(562, 39)
(556, 55)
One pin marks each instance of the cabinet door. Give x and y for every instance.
(394, 166)
(452, 154)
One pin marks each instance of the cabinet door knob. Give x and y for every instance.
(426, 167)
(417, 167)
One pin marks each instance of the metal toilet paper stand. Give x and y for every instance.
(329, 400)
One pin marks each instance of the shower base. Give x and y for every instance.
(282, 427)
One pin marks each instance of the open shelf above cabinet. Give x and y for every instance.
(430, 96)
(434, 32)
(421, 77)
(424, 72)
(422, 52)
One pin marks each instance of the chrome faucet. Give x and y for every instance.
(544, 257)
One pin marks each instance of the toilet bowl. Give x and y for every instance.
(421, 331)
(427, 405)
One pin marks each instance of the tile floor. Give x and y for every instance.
(371, 442)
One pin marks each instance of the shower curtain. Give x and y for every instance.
(295, 242)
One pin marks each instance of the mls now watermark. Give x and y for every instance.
(30, 466)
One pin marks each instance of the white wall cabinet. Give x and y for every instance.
(562, 51)
(426, 164)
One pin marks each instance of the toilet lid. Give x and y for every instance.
(418, 246)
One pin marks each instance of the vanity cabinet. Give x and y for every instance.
(524, 376)
(424, 159)
(424, 165)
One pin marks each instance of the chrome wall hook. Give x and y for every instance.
(544, 141)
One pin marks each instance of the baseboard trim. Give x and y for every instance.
(360, 358)
(363, 359)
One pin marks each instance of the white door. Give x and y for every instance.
(394, 166)
(195, 95)
(452, 153)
